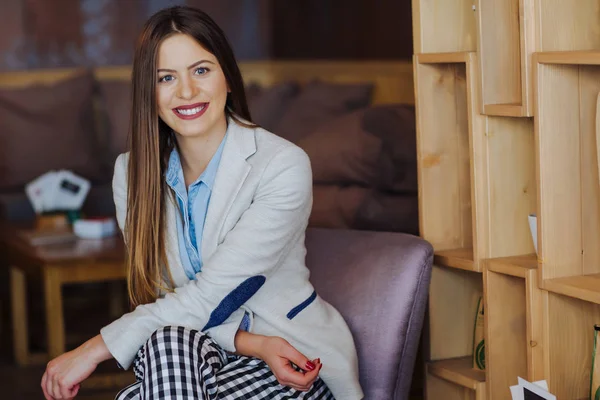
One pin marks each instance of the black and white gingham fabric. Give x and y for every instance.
(180, 363)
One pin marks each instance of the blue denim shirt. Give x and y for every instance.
(193, 205)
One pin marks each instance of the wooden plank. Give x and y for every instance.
(585, 287)
(504, 110)
(506, 332)
(568, 57)
(535, 327)
(478, 162)
(518, 266)
(557, 134)
(444, 58)
(444, 26)
(564, 25)
(589, 88)
(455, 258)
(458, 371)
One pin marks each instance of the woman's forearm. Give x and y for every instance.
(96, 349)
(249, 344)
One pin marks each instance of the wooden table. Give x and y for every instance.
(79, 261)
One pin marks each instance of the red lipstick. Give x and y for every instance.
(191, 111)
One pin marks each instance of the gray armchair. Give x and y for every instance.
(379, 282)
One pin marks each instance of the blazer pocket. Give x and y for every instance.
(296, 310)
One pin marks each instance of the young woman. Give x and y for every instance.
(213, 210)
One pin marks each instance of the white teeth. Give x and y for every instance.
(190, 111)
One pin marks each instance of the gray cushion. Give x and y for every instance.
(379, 282)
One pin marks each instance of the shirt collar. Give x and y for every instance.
(174, 175)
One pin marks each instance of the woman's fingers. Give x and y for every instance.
(288, 351)
(45, 387)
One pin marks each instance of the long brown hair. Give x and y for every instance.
(151, 142)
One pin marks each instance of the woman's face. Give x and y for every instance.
(191, 90)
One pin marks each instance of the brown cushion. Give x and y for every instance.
(335, 206)
(388, 212)
(116, 103)
(267, 104)
(319, 102)
(357, 207)
(373, 146)
(46, 127)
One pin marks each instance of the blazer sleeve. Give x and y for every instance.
(249, 254)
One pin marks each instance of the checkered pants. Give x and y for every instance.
(181, 363)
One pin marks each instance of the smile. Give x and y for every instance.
(192, 111)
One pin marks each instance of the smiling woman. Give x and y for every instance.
(191, 84)
(213, 210)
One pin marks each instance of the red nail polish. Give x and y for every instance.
(310, 366)
(318, 361)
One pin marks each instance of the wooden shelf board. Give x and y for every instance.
(457, 370)
(518, 266)
(504, 110)
(455, 258)
(584, 287)
(590, 57)
(444, 58)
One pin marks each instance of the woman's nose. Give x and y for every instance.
(186, 89)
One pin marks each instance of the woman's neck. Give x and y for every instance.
(196, 152)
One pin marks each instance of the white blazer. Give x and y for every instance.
(254, 260)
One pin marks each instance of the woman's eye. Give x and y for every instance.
(166, 78)
(201, 71)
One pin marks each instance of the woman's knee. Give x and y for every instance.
(173, 334)
(179, 337)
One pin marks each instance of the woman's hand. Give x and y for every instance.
(65, 373)
(279, 354)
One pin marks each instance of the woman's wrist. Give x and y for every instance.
(96, 349)
(249, 344)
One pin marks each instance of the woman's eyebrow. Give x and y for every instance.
(190, 67)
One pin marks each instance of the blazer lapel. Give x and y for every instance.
(233, 170)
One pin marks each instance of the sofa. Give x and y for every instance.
(380, 283)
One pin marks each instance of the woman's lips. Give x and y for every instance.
(192, 111)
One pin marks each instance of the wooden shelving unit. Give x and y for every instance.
(508, 109)
(513, 321)
(509, 32)
(446, 126)
(442, 26)
(506, 39)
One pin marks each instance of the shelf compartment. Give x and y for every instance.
(569, 186)
(585, 287)
(506, 40)
(456, 258)
(518, 266)
(442, 26)
(452, 307)
(514, 326)
(569, 342)
(458, 371)
(446, 121)
(507, 187)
